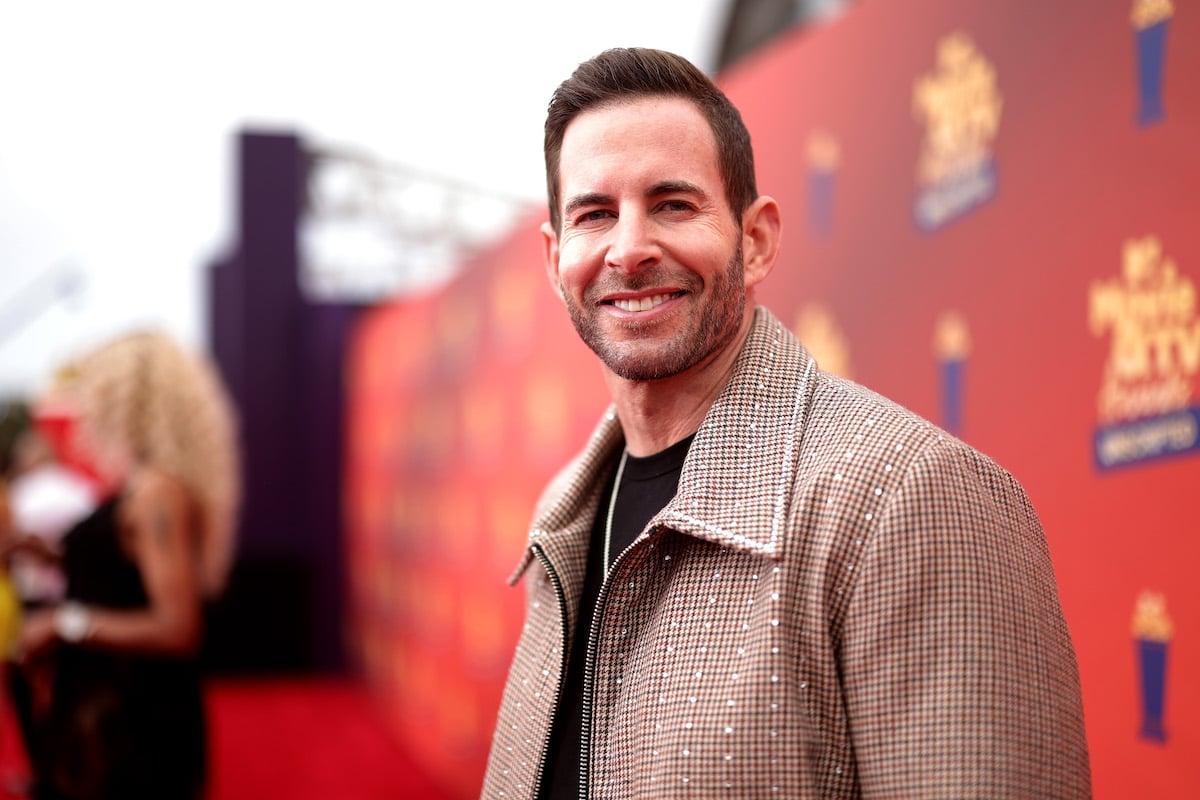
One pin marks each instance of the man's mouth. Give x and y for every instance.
(644, 303)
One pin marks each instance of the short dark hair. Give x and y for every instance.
(623, 74)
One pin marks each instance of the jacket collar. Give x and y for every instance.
(735, 487)
(736, 484)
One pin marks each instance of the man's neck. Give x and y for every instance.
(656, 414)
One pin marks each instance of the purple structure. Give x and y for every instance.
(281, 356)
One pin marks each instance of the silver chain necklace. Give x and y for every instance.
(612, 506)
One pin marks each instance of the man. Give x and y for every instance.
(757, 579)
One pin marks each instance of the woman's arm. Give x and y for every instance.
(155, 519)
(12, 543)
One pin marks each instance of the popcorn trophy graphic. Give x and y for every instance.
(817, 328)
(824, 156)
(1152, 632)
(1151, 19)
(952, 344)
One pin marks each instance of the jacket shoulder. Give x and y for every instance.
(854, 436)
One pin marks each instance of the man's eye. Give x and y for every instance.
(594, 215)
(676, 205)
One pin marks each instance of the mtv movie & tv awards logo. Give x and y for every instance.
(1146, 407)
(960, 104)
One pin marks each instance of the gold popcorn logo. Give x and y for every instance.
(817, 329)
(824, 152)
(1147, 13)
(960, 104)
(1150, 619)
(951, 338)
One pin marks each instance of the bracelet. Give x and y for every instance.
(72, 622)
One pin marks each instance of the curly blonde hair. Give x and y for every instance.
(168, 409)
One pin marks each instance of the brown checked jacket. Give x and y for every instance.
(841, 601)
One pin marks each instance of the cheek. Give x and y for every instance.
(575, 268)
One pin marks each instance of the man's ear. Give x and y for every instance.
(550, 256)
(762, 227)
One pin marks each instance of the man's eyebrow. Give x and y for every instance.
(674, 187)
(588, 199)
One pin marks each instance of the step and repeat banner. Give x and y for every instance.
(992, 215)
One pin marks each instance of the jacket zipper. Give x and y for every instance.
(562, 608)
(589, 670)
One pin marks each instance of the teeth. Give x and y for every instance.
(643, 304)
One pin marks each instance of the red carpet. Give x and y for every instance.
(305, 740)
(296, 739)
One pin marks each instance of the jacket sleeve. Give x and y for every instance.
(959, 675)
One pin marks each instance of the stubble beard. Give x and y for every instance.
(717, 325)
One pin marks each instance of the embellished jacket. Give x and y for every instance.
(841, 601)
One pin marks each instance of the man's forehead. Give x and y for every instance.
(636, 135)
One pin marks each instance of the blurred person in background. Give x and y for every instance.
(124, 713)
(46, 498)
(757, 579)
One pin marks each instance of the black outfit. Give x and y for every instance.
(21, 694)
(647, 485)
(121, 725)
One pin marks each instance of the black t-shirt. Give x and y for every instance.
(647, 484)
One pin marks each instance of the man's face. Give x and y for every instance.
(649, 259)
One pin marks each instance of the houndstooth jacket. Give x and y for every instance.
(841, 601)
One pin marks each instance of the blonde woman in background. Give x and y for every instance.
(124, 716)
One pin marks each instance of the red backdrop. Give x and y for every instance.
(990, 216)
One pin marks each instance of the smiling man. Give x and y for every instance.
(757, 579)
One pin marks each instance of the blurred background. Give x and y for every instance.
(989, 216)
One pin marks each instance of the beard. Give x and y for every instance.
(643, 356)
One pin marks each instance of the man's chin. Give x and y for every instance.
(643, 363)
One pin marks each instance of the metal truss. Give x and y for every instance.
(372, 229)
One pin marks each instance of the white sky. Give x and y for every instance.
(117, 125)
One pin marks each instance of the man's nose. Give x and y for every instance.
(633, 245)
